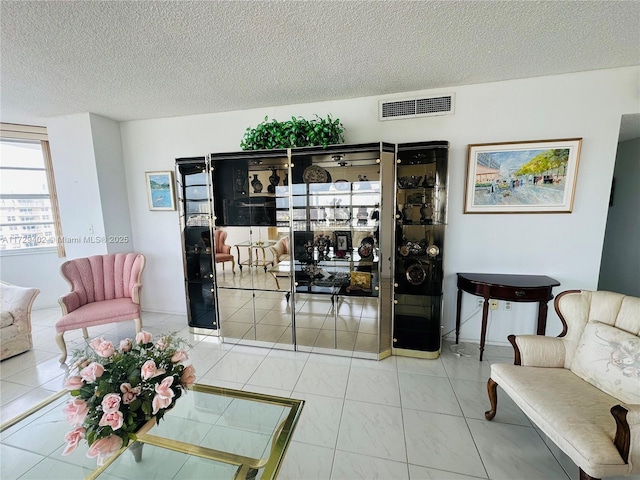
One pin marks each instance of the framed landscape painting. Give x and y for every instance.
(522, 177)
(160, 190)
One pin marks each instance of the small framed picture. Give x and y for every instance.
(341, 243)
(160, 190)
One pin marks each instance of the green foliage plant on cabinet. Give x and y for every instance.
(297, 132)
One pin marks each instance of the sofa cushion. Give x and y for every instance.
(609, 358)
(574, 414)
(6, 319)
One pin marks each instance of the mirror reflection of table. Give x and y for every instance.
(212, 432)
(256, 260)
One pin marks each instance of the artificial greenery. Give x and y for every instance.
(297, 132)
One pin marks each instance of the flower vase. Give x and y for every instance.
(274, 180)
(136, 449)
(256, 184)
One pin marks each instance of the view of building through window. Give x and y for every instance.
(26, 216)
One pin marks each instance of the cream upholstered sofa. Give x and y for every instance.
(104, 289)
(280, 251)
(15, 318)
(582, 389)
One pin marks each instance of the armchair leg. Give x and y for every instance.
(233, 266)
(492, 390)
(85, 333)
(138, 322)
(62, 346)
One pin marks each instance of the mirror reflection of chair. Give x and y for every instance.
(104, 289)
(223, 251)
(280, 251)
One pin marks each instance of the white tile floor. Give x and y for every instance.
(400, 418)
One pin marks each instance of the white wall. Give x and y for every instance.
(39, 270)
(107, 146)
(564, 246)
(76, 175)
(620, 268)
(88, 166)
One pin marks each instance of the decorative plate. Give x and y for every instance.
(365, 250)
(415, 274)
(404, 250)
(315, 174)
(433, 251)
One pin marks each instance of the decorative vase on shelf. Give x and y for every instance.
(407, 213)
(274, 180)
(425, 218)
(256, 184)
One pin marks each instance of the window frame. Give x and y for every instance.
(32, 133)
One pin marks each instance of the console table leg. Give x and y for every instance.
(458, 315)
(542, 318)
(483, 333)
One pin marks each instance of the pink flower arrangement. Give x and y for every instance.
(114, 391)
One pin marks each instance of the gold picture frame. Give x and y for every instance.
(535, 176)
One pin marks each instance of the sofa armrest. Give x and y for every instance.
(69, 302)
(627, 439)
(135, 292)
(538, 351)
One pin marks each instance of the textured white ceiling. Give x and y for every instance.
(148, 59)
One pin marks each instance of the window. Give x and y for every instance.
(29, 217)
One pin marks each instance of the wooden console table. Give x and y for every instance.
(512, 288)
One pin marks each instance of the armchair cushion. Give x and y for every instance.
(97, 313)
(609, 358)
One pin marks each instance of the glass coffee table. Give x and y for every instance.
(281, 270)
(212, 432)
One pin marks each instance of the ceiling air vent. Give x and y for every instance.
(416, 107)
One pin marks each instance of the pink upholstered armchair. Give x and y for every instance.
(104, 289)
(223, 252)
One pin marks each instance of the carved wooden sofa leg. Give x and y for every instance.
(584, 476)
(492, 390)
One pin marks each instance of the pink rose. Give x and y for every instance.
(73, 383)
(76, 411)
(111, 403)
(164, 394)
(143, 337)
(112, 419)
(73, 438)
(149, 370)
(125, 345)
(129, 393)
(179, 357)
(91, 372)
(103, 347)
(188, 376)
(104, 448)
(161, 344)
